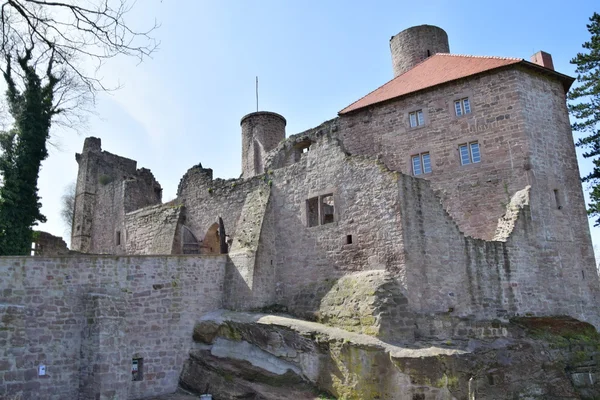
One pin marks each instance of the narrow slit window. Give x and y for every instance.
(118, 238)
(137, 369)
(557, 199)
(348, 239)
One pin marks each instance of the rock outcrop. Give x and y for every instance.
(259, 356)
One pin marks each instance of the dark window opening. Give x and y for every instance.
(557, 199)
(428, 53)
(348, 239)
(320, 210)
(327, 209)
(491, 380)
(137, 369)
(301, 148)
(418, 396)
(118, 238)
(312, 211)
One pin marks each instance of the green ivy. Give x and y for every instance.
(23, 150)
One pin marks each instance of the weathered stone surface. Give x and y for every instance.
(371, 303)
(48, 245)
(86, 317)
(530, 364)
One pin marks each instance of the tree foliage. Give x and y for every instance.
(45, 51)
(24, 148)
(585, 107)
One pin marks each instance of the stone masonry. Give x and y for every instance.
(441, 206)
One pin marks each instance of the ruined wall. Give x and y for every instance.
(448, 273)
(107, 186)
(153, 230)
(108, 218)
(86, 318)
(398, 223)
(250, 272)
(475, 194)
(48, 245)
(309, 259)
(205, 199)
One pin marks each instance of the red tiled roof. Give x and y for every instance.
(437, 69)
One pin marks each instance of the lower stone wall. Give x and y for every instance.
(86, 318)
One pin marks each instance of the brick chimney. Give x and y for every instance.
(543, 59)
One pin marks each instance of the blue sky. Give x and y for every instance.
(313, 58)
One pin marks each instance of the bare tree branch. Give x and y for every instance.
(62, 37)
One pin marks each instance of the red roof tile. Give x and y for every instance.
(437, 69)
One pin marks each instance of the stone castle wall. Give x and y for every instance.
(205, 199)
(108, 186)
(309, 259)
(399, 224)
(153, 230)
(85, 318)
(474, 195)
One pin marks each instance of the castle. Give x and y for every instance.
(451, 190)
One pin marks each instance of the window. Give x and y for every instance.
(327, 209)
(421, 164)
(137, 369)
(312, 211)
(320, 210)
(462, 106)
(416, 118)
(469, 153)
(118, 238)
(301, 148)
(557, 199)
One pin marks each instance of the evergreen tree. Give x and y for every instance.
(587, 109)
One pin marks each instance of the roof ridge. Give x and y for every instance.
(473, 56)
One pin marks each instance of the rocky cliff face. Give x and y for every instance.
(259, 356)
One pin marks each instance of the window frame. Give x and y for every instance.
(320, 218)
(459, 104)
(419, 122)
(468, 146)
(419, 156)
(415, 111)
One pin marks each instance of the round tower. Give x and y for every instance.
(261, 132)
(413, 45)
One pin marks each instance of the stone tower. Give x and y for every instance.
(413, 45)
(261, 132)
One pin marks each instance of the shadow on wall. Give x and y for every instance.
(211, 242)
